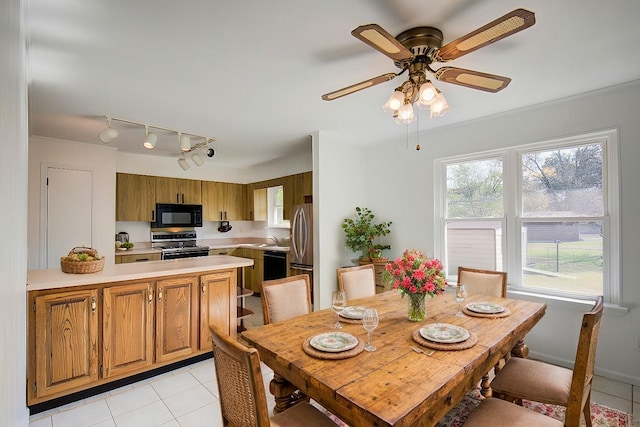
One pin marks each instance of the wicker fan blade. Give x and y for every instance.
(358, 86)
(472, 79)
(505, 26)
(376, 37)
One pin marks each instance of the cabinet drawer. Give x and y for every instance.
(137, 258)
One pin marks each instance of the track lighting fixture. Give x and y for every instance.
(150, 139)
(109, 134)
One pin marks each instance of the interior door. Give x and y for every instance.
(68, 220)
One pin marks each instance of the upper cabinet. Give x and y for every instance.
(135, 197)
(178, 190)
(223, 201)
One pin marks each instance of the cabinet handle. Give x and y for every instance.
(93, 305)
(225, 215)
(183, 198)
(177, 198)
(150, 296)
(153, 215)
(220, 215)
(159, 294)
(204, 289)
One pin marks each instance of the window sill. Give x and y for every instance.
(566, 303)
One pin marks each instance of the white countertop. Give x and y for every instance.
(144, 248)
(55, 278)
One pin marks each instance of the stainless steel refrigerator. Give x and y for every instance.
(301, 250)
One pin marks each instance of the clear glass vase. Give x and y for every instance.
(417, 307)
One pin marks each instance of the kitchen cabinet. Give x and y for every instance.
(137, 319)
(178, 190)
(254, 274)
(65, 326)
(176, 318)
(223, 251)
(217, 305)
(135, 197)
(260, 207)
(222, 201)
(123, 259)
(128, 322)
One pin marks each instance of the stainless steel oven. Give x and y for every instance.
(177, 243)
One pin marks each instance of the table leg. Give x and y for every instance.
(520, 350)
(282, 390)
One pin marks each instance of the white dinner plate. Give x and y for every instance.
(444, 333)
(485, 307)
(353, 312)
(334, 342)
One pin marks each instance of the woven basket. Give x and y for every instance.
(81, 267)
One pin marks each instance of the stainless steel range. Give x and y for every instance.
(177, 243)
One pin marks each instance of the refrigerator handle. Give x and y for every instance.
(300, 234)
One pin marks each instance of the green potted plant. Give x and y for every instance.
(361, 232)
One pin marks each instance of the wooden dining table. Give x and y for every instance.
(393, 385)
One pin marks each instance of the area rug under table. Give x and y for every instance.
(601, 416)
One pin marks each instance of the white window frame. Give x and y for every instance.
(511, 236)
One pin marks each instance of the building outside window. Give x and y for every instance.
(547, 213)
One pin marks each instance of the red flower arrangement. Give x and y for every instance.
(415, 273)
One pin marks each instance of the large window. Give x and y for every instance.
(546, 213)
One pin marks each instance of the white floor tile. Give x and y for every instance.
(207, 416)
(173, 384)
(134, 398)
(106, 423)
(172, 423)
(204, 371)
(42, 422)
(121, 389)
(212, 386)
(43, 414)
(82, 416)
(188, 401)
(151, 415)
(612, 387)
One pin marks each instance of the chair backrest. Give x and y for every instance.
(483, 282)
(583, 367)
(357, 282)
(285, 298)
(243, 400)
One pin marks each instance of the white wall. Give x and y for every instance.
(339, 185)
(13, 188)
(101, 161)
(404, 193)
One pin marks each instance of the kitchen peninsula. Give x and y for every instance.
(86, 330)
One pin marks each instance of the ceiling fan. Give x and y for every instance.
(414, 50)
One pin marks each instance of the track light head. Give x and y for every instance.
(109, 134)
(185, 142)
(211, 152)
(197, 159)
(150, 139)
(183, 163)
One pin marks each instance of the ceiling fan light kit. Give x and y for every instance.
(150, 139)
(414, 50)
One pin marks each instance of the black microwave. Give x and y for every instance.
(174, 215)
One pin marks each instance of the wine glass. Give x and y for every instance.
(338, 303)
(369, 323)
(461, 294)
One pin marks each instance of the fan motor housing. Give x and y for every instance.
(421, 41)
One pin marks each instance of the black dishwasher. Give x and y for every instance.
(275, 265)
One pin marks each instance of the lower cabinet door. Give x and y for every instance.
(217, 305)
(128, 321)
(176, 318)
(66, 347)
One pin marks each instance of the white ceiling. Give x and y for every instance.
(251, 72)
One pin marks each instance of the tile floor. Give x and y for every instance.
(188, 397)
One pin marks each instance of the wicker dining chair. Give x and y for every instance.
(545, 383)
(357, 282)
(484, 282)
(285, 298)
(243, 399)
